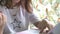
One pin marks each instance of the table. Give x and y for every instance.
(33, 31)
(55, 30)
(29, 32)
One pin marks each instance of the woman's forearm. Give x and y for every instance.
(42, 25)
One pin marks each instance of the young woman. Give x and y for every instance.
(19, 14)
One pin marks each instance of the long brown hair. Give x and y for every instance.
(28, 6)
(24, 3)
(8, 3)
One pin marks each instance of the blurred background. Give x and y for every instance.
(49, 9)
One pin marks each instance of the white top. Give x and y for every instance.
(21, 21)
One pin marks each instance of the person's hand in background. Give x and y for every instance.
(3, 20)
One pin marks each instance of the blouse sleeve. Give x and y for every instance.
(34, 18)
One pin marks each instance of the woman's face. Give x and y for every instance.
(15, 1)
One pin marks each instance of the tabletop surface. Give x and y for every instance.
(33, 31)
(29, 32)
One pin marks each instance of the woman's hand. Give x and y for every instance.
(2, 22)
(42, 26)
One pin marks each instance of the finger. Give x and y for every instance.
(1, 18)
(50, 26)
(4, 18)
(41, 30)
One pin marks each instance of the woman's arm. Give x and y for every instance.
(2, 22)
(41, 24)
